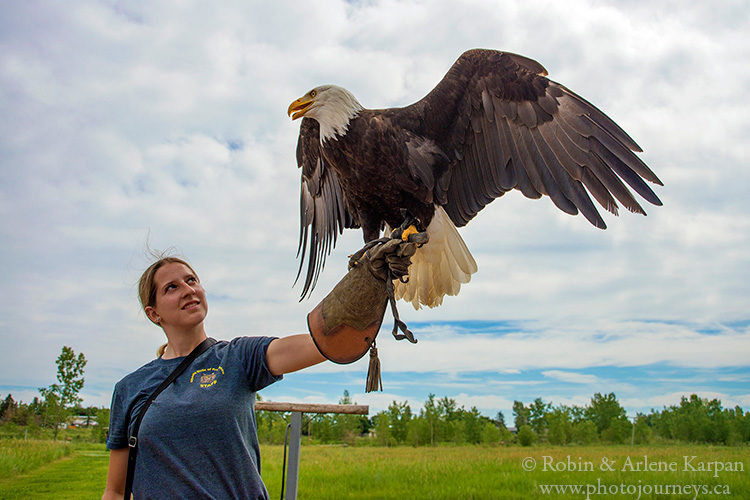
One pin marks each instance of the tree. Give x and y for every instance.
(604, 411)
(618, 431)
(64, 395)
(102, 421)
(560, 427)
(346, 426)
(521, 414)
(472, 425)
(322, 428)
(491, 433)
(526, 436)
(399, 415)
(382, 428)
(432, 416)
(537, 411)
(584, 432)
(7, 407)
(418, 431)
(500, 420)
(642, 432)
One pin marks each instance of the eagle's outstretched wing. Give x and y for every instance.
(323, 210)
(505, 126)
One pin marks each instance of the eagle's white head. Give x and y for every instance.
(332, 106)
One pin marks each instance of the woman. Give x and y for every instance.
(198, 438)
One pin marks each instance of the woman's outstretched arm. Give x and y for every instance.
(289, 354)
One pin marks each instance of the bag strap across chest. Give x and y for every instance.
(133, 438)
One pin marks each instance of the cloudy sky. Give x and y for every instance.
(164, 123)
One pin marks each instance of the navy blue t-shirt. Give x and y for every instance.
(198, 438)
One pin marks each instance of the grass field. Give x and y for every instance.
(17, 456)
(451, 472)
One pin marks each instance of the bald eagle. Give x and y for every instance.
(494, 123)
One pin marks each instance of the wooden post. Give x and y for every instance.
(295, 434)
(312, 408)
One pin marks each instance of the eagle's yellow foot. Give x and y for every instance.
(412, 229)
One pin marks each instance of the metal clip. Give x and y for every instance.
(132, 441)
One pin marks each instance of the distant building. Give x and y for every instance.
(82, 421)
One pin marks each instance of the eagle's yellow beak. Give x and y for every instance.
(299, 107)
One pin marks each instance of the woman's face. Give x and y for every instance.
(180, 298)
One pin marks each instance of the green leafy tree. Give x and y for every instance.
(382, 428)
(500, 420)
(346, 426)
(431, 414)
(537, 412)
(604, 411)
(472, 425)
(559, 425)
(418, 431)
(102, 425)
(526, 436)
(37, 406)
(491, 433)
(22, 415)
(741, 424)
(520, 414)
(618, 431)
(8, 407)
(322, 428)
(577, 414)
(54, 413)
(584, 432)
(62, 396)
(506, 437)
(399, 415)
(642, 432)
(451, 427)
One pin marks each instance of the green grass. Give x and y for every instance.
(18, 456)
(473, 472)
(82, 474)
(443, 472)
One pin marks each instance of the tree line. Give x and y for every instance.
(58, 402)
(442, 420)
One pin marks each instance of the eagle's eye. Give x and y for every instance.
(313, 93)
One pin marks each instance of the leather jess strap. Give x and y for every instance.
(133, 438)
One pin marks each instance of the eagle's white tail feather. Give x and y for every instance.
(439, 267)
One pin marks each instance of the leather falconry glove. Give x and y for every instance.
(345, 323)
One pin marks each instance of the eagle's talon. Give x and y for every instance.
(412, 229)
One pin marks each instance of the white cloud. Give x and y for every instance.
(619, 344)
(571, 377)
(170, 119)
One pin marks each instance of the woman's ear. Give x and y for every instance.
(152, 315)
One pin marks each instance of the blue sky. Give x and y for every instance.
(166, 122)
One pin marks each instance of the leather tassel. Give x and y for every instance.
(373, 372)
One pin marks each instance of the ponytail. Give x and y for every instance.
(160, 350)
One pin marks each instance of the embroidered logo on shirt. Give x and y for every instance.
(207, 376)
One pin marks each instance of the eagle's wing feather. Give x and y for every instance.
(505, 126)
(323, 210)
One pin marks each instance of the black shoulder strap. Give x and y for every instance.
(133, 439)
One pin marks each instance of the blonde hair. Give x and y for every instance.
(147, 285)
